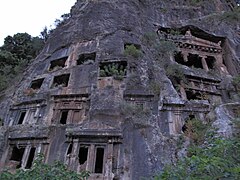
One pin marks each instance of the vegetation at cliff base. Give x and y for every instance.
(40, 171)
(214, 159)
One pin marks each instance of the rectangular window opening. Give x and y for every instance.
(57, 64)
(115, 69)
(61, 81)
(17, 155)
(99, 160)
(36, 84)
(191, 95)
(83, 154)
(30, 158)
(22, 116)
(210, 60)
(87, 58)
(193, 60)
(64, 115)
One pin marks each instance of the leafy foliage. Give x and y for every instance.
(113, 69)
(196, 130)
(175, 73)
(131, 50)
(215, 158)
(15, 54)
(218, 159)
(22, 45)
(40, 170)
(165, 48)
(236, 81)
(231, 16)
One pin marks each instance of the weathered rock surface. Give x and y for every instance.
(124, 124)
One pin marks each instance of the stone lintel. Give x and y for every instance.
(28, 132)
(93, 133)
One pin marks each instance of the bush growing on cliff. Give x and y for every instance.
(41, 171)
(216, 158)
(166, 48)
(131, 50)
(231, 16)
(175, 72)
(236, 81)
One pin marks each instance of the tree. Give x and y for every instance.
(40, 171)
(15, 54)
(23, 45)
(44, 34)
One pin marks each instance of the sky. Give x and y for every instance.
(30, 16)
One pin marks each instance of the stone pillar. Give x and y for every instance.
(170, 122)
(182, 91)
(109, 160)
(73, 159)
(25, 156)
(185, 56)
(219, 64)
(177, 122)
(91, 158)
(204, 63)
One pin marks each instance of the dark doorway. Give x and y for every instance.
(17, 155)
(57, 64)
(64, 115)
(191, 95)
(30, 158)
(99, 160)
(194, 60)
(36, 84)
(83, 154)
(210, 60)
(86, 58)
(61, 80)
(22, 116)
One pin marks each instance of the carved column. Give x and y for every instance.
(182, 91)
(73, 159)
(219, 64)
(25, 156)
(177, 122)
(204, 63)
(109, 161)
(185, 56)
(170, 122)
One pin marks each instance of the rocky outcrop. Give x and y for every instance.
(115, 83)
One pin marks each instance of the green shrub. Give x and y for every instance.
(131, 50)
(175, 73)
(113, 69)
(215, 158)
(236, 81)
(40, 171)
(196, 130)
(150, 38)
(155, 87)
(231, 16)
(166, 47)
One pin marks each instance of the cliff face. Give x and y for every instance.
(116, 82)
